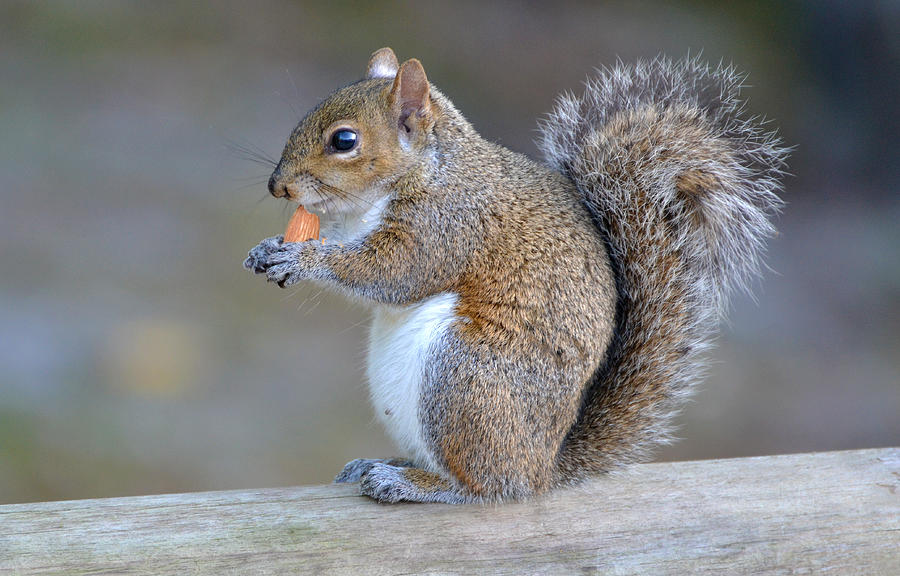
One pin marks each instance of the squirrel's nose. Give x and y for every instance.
(275, 188)
(280, 187)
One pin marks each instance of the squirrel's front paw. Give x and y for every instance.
(256, 259)
(290, 263)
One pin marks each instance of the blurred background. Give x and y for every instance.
(137, 356)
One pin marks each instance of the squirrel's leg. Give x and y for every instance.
(385, 267)
(493, 425)
(496, 415)
(352, 268)
(355, 469)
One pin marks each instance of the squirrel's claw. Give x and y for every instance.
(287, 265)
(282, 274)
(259, 255)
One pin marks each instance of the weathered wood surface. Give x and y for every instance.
(828, 513)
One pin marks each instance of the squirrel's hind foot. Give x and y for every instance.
(386, 483)
(355, 469)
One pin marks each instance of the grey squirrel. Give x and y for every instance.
(533, 324)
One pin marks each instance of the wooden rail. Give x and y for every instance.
(827, 513)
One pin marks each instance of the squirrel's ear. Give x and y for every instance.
(410, 94)
(382, 64)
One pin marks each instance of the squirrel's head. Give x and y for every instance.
(360, 140)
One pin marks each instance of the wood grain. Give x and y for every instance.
(834, 513)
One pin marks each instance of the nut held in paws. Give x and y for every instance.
(302, 227)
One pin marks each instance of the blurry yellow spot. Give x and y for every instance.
(152, 357)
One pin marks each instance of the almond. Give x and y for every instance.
(302, 227)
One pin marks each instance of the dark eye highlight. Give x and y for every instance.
(344, 140)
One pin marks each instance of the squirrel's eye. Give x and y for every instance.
(344, 140)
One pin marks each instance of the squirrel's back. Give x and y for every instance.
(683, 186)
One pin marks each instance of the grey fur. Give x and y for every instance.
(387, 483)
(678, 117)
(355, 469)
(256, 259)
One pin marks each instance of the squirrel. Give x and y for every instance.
(534, 324)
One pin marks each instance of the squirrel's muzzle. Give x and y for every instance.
(280, 186)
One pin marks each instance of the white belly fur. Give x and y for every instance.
(400, 342)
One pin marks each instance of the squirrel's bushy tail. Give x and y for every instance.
(683, 188)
